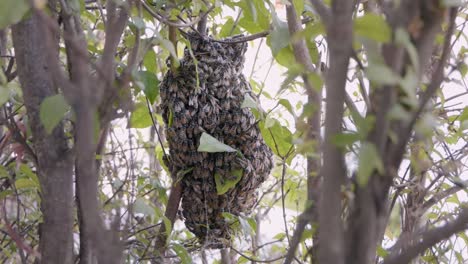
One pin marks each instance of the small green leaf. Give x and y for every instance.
(345, 139)
(168, 226)
(287, 105)
(4, 95)
(372, 26)
(142, 207)
(402, 37)
(453, 199)
(167, 44)
(25, 183)
(277, 137)
(140, 117)
(26, 172)
(223, 185)
(228, 27)
(12, 11)
(381, 252)
(210, 144)
(464, 115)
(279, 38)
(149, 83)
(138, 22)
(249, 102)
(5, 194)
(382, 74)
(52, 111)
(369, 160)
(182, 253)
(149, 61)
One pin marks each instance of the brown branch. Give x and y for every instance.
(428, 239)
(171, 213)
(257, 260)
(441, 195)
(171, 23)
(255, 36)
(331, 235)
(302, 55)
(323, 11)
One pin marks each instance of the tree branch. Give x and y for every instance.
(322, 10)
(428, 239)
(302, 55)
(339, 32)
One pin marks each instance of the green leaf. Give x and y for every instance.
(228, 27)
(256, 16)
(142, 207)
(464, 115)
(210, 144)
(287, 105)
(168, 226)
(381, 252)
(12, 11)
(149, 61)
(246, 227)
(5, 194)
(299, 6)
(138, 22)
(149, 83)
(182, 253)
(167, 44)
(402, 37)
(381, 74)
(345, 139)
(140, 117)
(369, 160)
(25, 183)
(26, 172)
(4, 95)
(276, 136)
(285, 57)
(52, 111)
(453, 199)
(372, 26)
(223, 185)
(249, 102)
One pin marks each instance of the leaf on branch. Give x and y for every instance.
(12, 11)
(142, 207)
(381, 74)
(369, 161)
(182, 253)
(140, 117)
(52, 111)
(223, 184)
(149, 83)
(372, 26)
(249, 102)
(210, 144)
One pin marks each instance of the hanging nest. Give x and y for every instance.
(206, 97)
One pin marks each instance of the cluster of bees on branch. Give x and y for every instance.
(205, 95)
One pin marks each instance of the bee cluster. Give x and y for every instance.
(205, 95)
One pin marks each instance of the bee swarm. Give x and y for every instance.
(211, 103)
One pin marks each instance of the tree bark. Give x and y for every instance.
(339, 31)
(54, 159)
